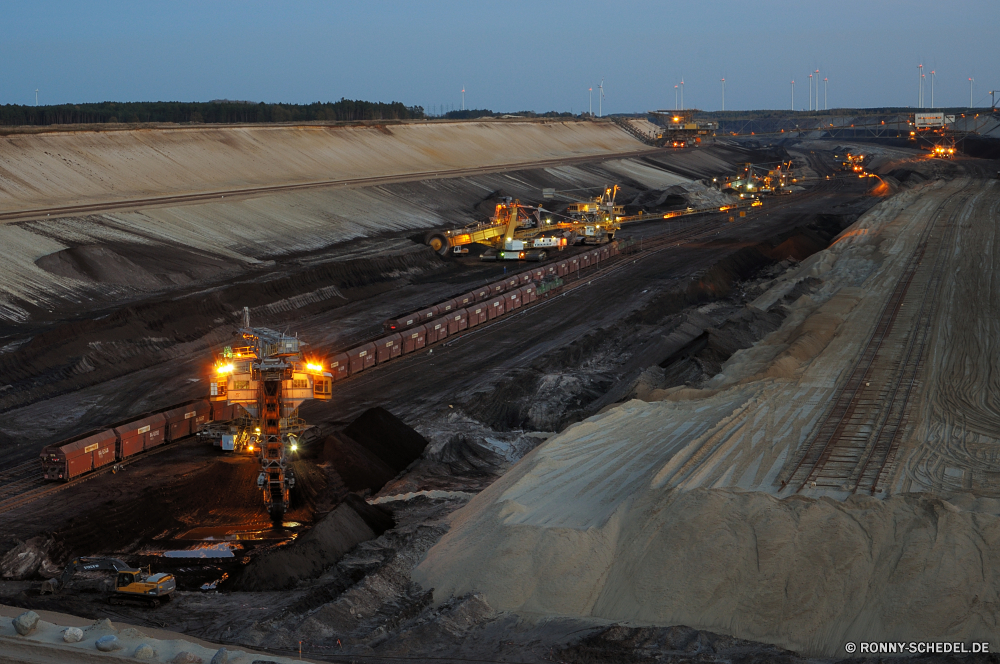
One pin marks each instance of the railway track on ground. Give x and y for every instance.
(29, 484)
(855, 446)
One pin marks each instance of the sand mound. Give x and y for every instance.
(668, 512)
(808, 575)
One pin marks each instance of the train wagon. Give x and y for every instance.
(414, 339)
(525, 278)
(142, 434)
(426, 315)
(463, 301)
(512, 300)
(388, 347)
(478, 314)
(497, 287)
(512, 283)
(362, 357)
(398, 324)
(482, 294)
(446, 307)
(528, 294)
(79, 455)
(340, 366)
(437, 330)
(186, 420)
(458, 321)
(495, 308)
(226, 412)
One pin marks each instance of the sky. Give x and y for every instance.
(509, 55)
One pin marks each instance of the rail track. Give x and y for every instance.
(856, 442)
(25, 483)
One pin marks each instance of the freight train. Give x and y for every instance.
(410, 333)
(90, 451)
(93, 450)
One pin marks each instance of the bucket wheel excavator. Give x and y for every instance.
(269, 376)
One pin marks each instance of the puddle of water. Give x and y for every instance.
(210, 551)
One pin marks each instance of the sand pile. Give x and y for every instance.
(639, 513)
(808, 575)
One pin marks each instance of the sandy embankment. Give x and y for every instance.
(669, 512)
(46, 261)
(75, 168)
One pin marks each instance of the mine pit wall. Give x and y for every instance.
(87, 167)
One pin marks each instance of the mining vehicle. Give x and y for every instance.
(526, 232)
(270, 377)
(680, 129)
(131, 584)
(943, 151)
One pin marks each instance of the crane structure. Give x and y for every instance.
(758, 179)
(269, 376)
(681, 129)
(525, 232)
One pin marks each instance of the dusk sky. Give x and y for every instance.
(509, 55)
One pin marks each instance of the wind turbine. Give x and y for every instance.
(36, 95)
(826, 106)
(793, 95)
(920, 86)
(932, 88)
(810, 92)
(675, 97)
(682, 93)
(723, 94)
(600, 100)
(591, 90)
(817, 90)
(463, 97)
(971, 81)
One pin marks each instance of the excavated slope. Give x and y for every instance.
(673, 511)
(73, 168)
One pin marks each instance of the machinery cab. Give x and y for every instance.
(126, 579)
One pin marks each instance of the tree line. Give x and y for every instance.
(471, 114)
(211, 112)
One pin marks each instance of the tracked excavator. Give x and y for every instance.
(269, 375)
(132, 584)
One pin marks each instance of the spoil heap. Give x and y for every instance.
(676, 510)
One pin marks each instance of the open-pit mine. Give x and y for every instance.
(513, 390)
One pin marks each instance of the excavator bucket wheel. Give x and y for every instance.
(438, 242)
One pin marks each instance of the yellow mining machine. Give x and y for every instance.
(680, 129)
(755, 180)
(132, 584)
(270, 377)
(854, 163)
(526, 232)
